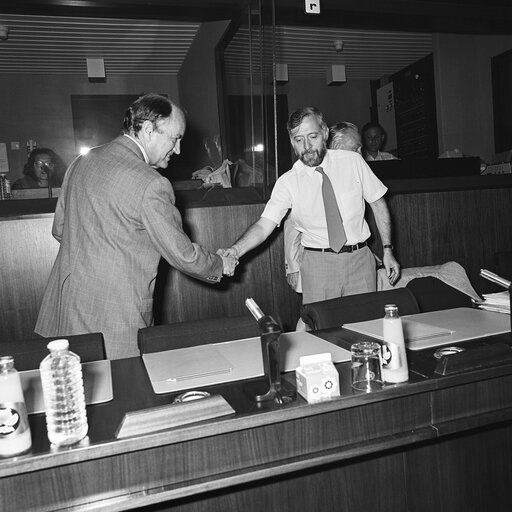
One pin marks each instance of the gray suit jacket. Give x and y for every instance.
(114, 219)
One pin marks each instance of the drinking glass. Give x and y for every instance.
(366, 366)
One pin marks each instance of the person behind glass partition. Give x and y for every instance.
(373, 136)
(43, 164)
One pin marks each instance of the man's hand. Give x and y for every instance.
(229, 261)
(392, 267)
(293, 280)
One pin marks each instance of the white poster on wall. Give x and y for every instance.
(386, 112)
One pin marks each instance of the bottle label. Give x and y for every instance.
(391, 359)
(13, 419)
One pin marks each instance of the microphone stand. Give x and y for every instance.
(48, 174)
(270, 332)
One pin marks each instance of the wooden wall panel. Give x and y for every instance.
(429, 229)
(27, 253)
(470, 472)
(259, 275)
(464, 226)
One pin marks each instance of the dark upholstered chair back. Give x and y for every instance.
(433, 294)
(357, 308)
(503, 260)
(28, 354)
(200, 332)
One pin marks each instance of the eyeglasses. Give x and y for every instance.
(40, 163)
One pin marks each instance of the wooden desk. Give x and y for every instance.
(431, 444)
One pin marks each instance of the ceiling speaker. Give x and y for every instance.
(96, 70)
(336, 74)
(281, 72)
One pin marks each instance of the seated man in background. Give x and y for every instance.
(343, 135)
(373, 136)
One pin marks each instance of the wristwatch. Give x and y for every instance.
(388, 246)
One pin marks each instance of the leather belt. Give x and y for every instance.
(345, 248)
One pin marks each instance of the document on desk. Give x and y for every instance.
(448, 326)
(216, 363)
(97, 376)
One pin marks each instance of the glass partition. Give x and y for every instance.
(426, 79)
(50, 100)
(247, 96)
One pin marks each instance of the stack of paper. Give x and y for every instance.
(499, 302)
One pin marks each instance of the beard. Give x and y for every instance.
(313, 157)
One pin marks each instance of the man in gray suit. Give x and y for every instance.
(115, 219)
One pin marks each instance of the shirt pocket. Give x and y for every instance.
(351, 203)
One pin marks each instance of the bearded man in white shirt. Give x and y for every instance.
(326, 273)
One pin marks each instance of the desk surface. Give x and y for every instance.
(258, 441)
(445, 327)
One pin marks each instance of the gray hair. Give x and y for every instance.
(344, 135)
(150, 107)
(298, 116)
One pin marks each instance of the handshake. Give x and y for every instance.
(229, 260)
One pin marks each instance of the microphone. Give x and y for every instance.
(46, 169)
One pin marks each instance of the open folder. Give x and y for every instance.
(216, 363)
(425, 330)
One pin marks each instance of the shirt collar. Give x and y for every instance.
(144, 154)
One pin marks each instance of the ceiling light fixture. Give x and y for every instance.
(4, 32)
(338, 45)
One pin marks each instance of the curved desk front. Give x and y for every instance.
(434, 443)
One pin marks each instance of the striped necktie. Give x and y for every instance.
(335, 229)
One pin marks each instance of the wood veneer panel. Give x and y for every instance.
(472, 472)
(349, 486)
(472, 399)
(232, 458)
(466, 226)
(260, 274)
(187, 299)
(27, 253)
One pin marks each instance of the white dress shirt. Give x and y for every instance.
(144, 154)
(381, 155)
(301, 190)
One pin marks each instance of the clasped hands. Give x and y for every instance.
(229, 260)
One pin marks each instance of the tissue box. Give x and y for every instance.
(317, 378)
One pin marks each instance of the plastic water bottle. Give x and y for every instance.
(394, 356)
(15, 435)
(63, 391)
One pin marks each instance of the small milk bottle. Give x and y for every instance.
(15, 435)
(64, 397)
(394, 357)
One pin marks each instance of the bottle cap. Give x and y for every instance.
(390, 307)
(6, 362)
(56, 345)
